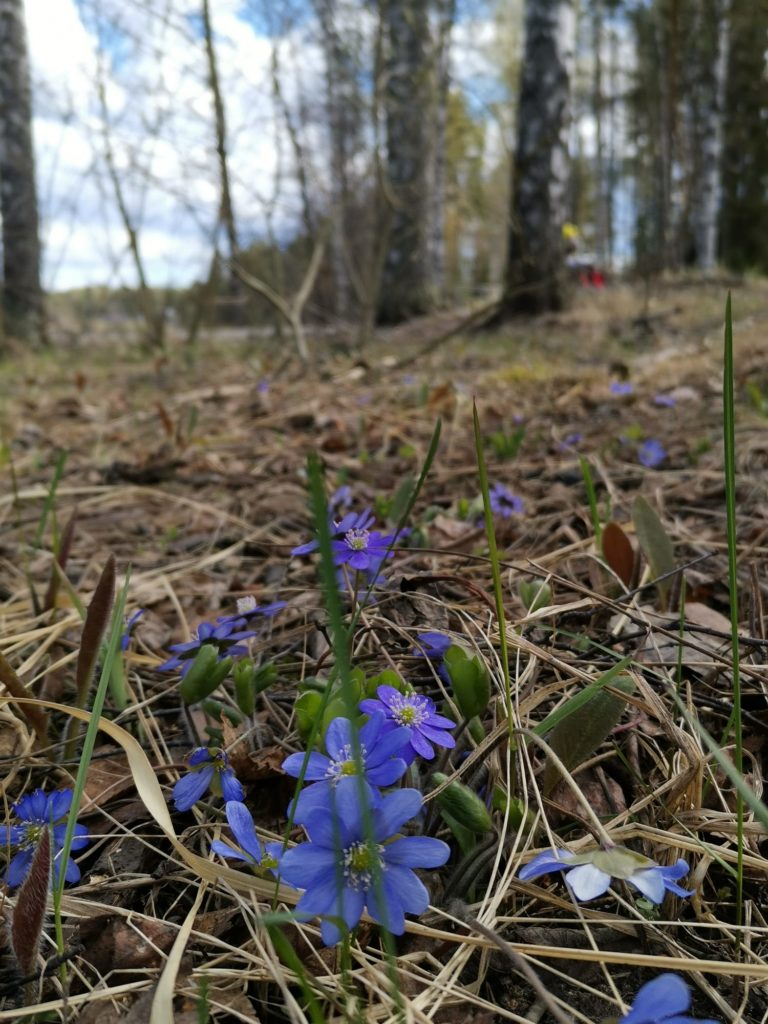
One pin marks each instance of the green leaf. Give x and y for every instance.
(655, 544)
(576, 738)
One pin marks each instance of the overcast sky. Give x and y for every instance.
(161, 129)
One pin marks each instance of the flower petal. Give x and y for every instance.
(240, 821)
(391, 742)
(658, 999)
(18, 867)
(421, 746)
(191, 787)
(387, 773)
(307, 865)
(396, 809)
(225, 850)
(317, 766)
(587, 882)
(650, 882)
(231, 789)
(439, 736)
(337, 737)
(545, 864)
(417, 852)
(59, 804)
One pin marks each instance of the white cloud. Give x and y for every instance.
(161, 129)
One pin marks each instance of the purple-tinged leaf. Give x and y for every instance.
(96, 621)
(31, 905)
(62, 557)
(618, 552)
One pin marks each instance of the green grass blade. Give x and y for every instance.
(493, 555)
(729, 451)
(586, 472)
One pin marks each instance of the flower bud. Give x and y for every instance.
(462, 804)
(469, 679)
(204, 674)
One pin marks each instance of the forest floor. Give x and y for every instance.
(195, 478)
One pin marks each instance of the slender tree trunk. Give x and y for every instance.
(406, 288)
(154, 320)
(343, 115)
(227, 209)
(446, 16)
(23, 314)
(706, 199)
(535, 279)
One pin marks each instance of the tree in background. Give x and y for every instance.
(534, 278)
(744, 215)
(408, 100)
(22, 293)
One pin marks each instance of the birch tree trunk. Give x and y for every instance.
(446, 16)
(535, 272)
(405, 290)
(706, 194)
(22, 293)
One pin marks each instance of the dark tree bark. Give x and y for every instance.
(408, 100)
(446, 12)
(535, 278)
(22, 293)
(343, 111)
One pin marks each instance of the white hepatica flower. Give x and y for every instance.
(589, 874)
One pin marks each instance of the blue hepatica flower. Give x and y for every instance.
(334, 777)
(247, 609)
(664, 1000)
(225, 636)
(363, 550)
(351, 521)
(665, 401)
(504, 503)
(417, 714)
(341, 500)
(125, 639)
(250, 848)
(343, 872)
(208, 769)
(651, 453)
(35, 812)
(621, 387)
(433, 645)
(589, 874)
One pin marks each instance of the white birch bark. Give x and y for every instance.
(707, 196)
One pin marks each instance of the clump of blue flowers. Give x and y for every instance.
(589, 874)
(209, 768)
(36, 812)
(343, 872)
(664, 1000)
